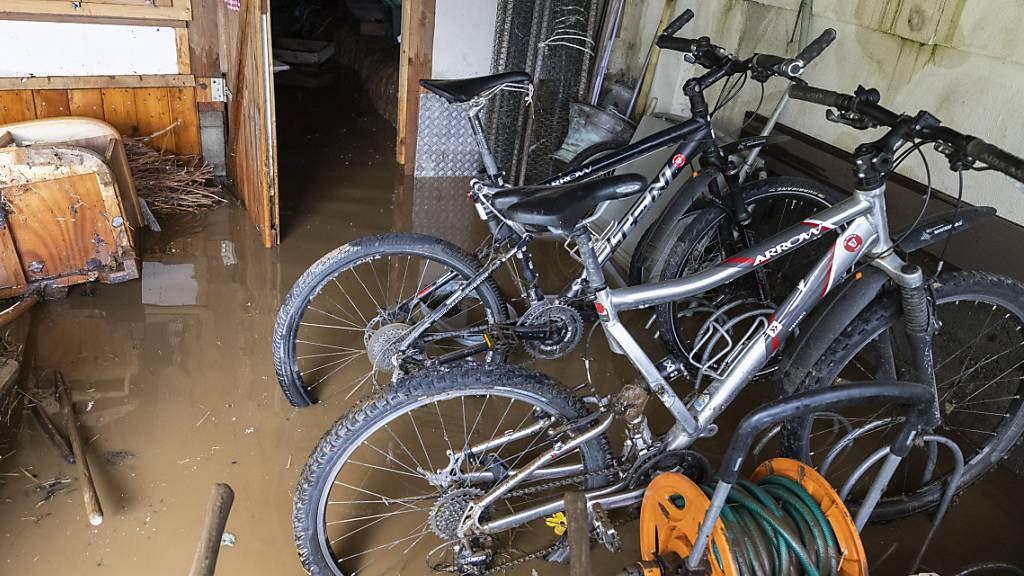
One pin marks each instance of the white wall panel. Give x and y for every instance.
(73, 49)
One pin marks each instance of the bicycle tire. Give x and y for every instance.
(356, 427)
(334, 263)
(882, 314)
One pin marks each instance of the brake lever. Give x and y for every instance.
(851, 119)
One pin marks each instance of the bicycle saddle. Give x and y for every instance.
(465, 89)
(563, 207)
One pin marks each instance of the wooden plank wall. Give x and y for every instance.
(249, 163)
(416, 64)
(133, 111)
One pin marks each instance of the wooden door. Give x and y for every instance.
(252, 145)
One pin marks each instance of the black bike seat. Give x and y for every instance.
(465, 89)
(562, 207)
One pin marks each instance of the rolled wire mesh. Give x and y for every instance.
(554, 41)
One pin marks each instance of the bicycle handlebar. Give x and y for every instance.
(997, 158)
(712, 56)
(794, 67)
(816, 47)
(974, 148)
(675, 44)
(677, 24)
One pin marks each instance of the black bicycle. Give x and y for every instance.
(393, 303)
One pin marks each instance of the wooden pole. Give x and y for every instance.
(216, 518)
(15, 311)
(92, 500)
(651, 64)
(52, 433)
(578, 519)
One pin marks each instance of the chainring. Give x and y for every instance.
(565, 326)
(693, 465)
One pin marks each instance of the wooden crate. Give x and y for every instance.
(69, 210)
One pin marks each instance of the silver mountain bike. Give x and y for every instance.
(466, 466)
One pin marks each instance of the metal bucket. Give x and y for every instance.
(589, 125)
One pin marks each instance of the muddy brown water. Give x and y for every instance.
(173, 379)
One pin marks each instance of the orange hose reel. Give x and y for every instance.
(674, 507)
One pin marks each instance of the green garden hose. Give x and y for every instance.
(776, 528)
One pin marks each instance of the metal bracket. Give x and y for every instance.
(218, 90)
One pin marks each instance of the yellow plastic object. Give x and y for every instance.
(557, 522)
(670, 516)
(853, 562)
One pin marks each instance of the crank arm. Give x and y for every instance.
(471, 519)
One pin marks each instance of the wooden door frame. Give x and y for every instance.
(416, 64)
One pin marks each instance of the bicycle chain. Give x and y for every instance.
(557, 545)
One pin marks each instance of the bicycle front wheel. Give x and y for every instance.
(388, 485)
(978, 353)
(340, 328)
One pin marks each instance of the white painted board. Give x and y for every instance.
(75, 49)
(463, 38)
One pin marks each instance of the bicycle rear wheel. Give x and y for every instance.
(339, 328)
(978, 353)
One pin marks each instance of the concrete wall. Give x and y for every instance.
(463, 37)
(962, 60)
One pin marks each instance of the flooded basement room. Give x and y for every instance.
(509, 287)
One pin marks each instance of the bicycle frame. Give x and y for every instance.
(694, 137)
(862, 228)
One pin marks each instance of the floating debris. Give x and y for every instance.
(119, 457)
(51, 488)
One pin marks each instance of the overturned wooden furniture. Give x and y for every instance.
(68, 210)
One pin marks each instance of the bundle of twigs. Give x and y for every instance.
(171, 184)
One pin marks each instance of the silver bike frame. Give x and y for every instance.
(863, 231)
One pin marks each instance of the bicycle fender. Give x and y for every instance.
(937, 227)
(844, 303)
(656, 241)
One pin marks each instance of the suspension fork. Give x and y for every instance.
(918, 321)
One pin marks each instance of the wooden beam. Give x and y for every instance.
(73, 82)
(204, 39)
(183, 51)
(177, 10)
(92, 19)
(416, 64)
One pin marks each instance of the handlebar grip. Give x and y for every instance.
(768, 61)
(815, 48)
(997, 159)
(677, 44)
(819, 96)
(678, 23)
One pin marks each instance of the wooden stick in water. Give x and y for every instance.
(92, 500)
(205, 560)
(578, 518)
(52, 433)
